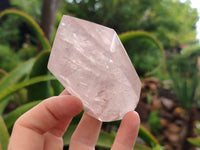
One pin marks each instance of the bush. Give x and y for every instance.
(183, 71)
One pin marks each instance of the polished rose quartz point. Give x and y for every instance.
(91, 63)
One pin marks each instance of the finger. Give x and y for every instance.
(52, 142)
(86, 134)
(61, 127)
(127, 133)
(50, 113)
(42, 118)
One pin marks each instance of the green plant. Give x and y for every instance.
(105, 139)
(32, 8)
(8, 59)
(4, 138)
(144, 50)
(165, 19)
(9, 29)
(184, 74)
(196, 141)
(154, 122)
(27, 52)
(35, 27)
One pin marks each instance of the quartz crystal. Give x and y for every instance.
(91, 63)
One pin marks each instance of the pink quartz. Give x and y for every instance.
(91, 63)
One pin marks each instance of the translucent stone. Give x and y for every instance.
(91, 63)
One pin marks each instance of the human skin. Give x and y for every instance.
(42, 127)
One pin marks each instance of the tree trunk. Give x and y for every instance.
(49, 9)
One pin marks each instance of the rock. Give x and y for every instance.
(172, 137)
(92, 64)
(166, 115)
(180, 123)
(164, 122)
(179, 112)
(156, 104)
(167, 103)
(174, 128)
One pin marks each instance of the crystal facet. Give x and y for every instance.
(91, 63)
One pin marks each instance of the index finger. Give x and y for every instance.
(29, 128)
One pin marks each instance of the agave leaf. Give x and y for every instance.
(34, 25)
(23, 84)
(149, 139)
(68, 134)
(194, 141)
(39, 90)
(57, 87)
(132, 35)
(4, 138)
(141, 147)
(4, 103)
(14, 76)
(12, 116)
(105, 139)
(40, 64)
(144, 134)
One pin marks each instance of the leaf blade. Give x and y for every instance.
(194, 141)
(23, 84)
(15, 114)
(39, 90)
(39, 32)
(4, 138)
(15, 75)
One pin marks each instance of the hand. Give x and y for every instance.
(42, 127)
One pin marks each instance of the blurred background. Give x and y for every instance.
(160, 37)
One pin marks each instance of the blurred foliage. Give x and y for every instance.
(184, 72)
(196, 141)
(106, 140)
(27, 51)
(144, 54)
(40, 90)
(164, 18)
(154, 122)
(33, 25)
(15, 32)
(31, 7)
(7, 37)
(8, 59)
(4, 138)
(187, 50)
(145, 51)
(197, 128)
